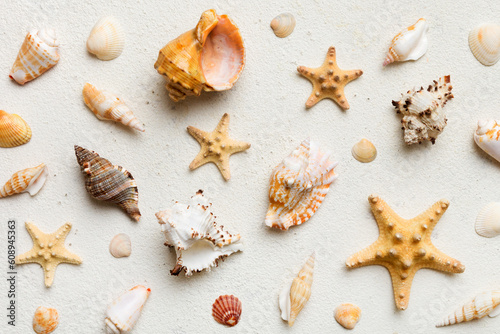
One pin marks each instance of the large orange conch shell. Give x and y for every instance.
(209, 57)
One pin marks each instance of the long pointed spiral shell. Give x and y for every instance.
(226, 310)
(14, 130)
(29, 180)
(283, 25)
(106, 39)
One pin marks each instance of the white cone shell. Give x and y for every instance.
(409, 44)
(124, 312)
(29, 180)
(488, 221)
(486, 137)
(107, 39)
(484, 43)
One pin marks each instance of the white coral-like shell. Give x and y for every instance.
(120, 246)
(124, 312)
(488, 221)
(487, 137)
(29, 180)
(484, 43)
(283, 25)
(409, 44)
(198, 240)
(106, 39)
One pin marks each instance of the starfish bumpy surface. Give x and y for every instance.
(48, 251)
(329, 80)
(216, 146)
(404, 246)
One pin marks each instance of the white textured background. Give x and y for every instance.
(267, 109)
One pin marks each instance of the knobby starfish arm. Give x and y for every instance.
(369, 256)
(200, 160)
(223, 125)
(197, 134)
(401, 286)
(383, 213)
(437, 260)
(433, 214)
(32, 230)
(352, 75)
(235, 146)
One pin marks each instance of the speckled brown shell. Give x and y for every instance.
(226, 310)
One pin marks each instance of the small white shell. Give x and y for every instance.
(364, 151)
(106, 39)
(29, 180)
(488, 221)
(124, 312)
(484, 43)
(120, 246)
(487, 137)
(347, 315)
(283, 25)
(409, 44)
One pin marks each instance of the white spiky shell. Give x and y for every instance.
(484, 43)
(480, 306)
(107, 106)
(107, 39)
(198, 240)
(120, 246)
(487, 137)
(488, 220)
(283, 25)
(29, 180)
(124, 312)
(409, 44)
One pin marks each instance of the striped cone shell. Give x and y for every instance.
(106, 182)
(29, 180)
(124, 311)
(226, 310)
(14, 131)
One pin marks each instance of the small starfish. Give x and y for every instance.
(329, 80)
(48, 251)
(216, 146)
(404, 247)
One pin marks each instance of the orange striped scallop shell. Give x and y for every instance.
(226, 310)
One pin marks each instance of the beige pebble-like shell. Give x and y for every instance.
(283, 25)
(29, 180)
(14, 131)
(120, 246)
(364, 151)
(347, 315)
(226, 310)
(484, 43)
(45, 320)
(107, 39)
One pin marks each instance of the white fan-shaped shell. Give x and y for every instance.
(124, 312)
(120, 245)
(283, 24)
(29, 180)
(484, 43)
(106, 39)
(409, 44)
(488, 220)
(487, 137)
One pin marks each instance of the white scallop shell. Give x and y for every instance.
(484, 43)
(29, 180)
(124, 312)
(409, 44)
(487, 137)
(106, 39)
(120, 245)
(488, 220)
(283, 25)
(364, 151)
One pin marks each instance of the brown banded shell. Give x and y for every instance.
(14, 131)
(283, 25)
(106, 182)
(364, 151)
(120, 245)
(226, 310)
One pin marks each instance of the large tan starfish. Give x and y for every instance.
(404, 246)
(329, 80)
(48, 251)
(216, 146)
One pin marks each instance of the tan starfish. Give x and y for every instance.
(404, 246)
(216, 146)
(48, 251)
(329, 80)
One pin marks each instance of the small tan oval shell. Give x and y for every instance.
(120, 246)
(283, 25)
(45, 320)
(484, 43)
(364, 151)
(14, 131)
(347, 315)
(226, 310)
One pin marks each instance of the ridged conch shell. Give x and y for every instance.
(107, 182)
(45, 320)
(480, 306)
(106, 39)
(294, 297)
(14, 130)
(209, 57)
(488, 221)
(226, 310)
(364, 151)
(422, 110)
(124, 312)
(108, 107)
(487, 137)
(120, 245)
(484, 43)
(299, 185)
(347, 315)
(29, 180)
(198, 240)
(38, 54)
(283, 25)
(409, 44)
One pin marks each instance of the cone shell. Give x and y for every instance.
(488, 221)
(14, 130)
(283, 25)
(38, 54)
(226, 310)
(298, 185)
(364, 151)
(45, 320)
(106, 182)
(120, 246)
(480, 306)
(124, 312)
(29, 180)
(487, 137)
(106, 39)
(484, 43)
(209, 57)
(409, 44)
(107, 106)
(347, 315)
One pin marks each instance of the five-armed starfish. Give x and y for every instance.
(404, 247)
(329, 80)
(216, 146)
(48, 251)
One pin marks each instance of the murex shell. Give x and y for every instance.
(29, 180)
(409, 44)
(422, 110)
(124, 312)
(39, 53)
(487, 137)
(107, 106)
(198, 240)
(480, 306)
(106, 39)
(209, 57)
(107, 182)
(484, 43)
(364, 151)
(226, 310)
(298, 185)
(14, 130)
(347, 315)
(283, 25)
(488, 220)
(120, 245)
(45, 320)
